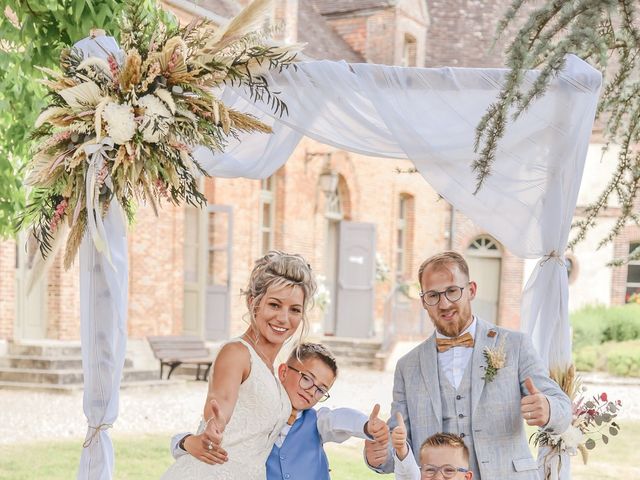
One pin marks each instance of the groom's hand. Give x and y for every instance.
(377, 428)
(535, 406)
(376, 453)
(399, 438)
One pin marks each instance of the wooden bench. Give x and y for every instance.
(175, 350)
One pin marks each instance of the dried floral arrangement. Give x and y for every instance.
(593, 420)
(124, 128)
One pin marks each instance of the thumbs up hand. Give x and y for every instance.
(377, 428)
(376, 450)
(534, 406)
(399, 438)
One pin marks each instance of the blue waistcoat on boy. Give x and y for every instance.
(301, 455)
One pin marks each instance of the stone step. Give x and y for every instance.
(77, 387)
(46, 363)
(341, 342)
(376, 363)
(65, 377)
(353, 352)
(46, 349)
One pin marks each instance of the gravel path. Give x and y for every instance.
(28, 416)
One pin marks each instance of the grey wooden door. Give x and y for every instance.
(356, 280)
(31, 307)
(218, 272)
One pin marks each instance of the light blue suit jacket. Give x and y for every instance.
(497, 427)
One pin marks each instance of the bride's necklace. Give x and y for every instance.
(264, 358)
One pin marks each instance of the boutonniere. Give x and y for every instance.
(496, 357)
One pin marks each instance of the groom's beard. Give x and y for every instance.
(454, 326)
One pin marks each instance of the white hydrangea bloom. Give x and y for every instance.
(156, 119)
(572, 436)
(121, 123)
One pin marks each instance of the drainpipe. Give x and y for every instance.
(452, 226)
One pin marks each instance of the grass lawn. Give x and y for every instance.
(147, 457)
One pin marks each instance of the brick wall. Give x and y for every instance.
(461, 33)
(156, 272)
(354, 32)
(63, 300)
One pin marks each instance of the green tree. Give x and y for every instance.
(32, 34)
(605, 33)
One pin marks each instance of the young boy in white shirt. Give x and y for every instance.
(442, 453)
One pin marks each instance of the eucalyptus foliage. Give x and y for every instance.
(605, 33)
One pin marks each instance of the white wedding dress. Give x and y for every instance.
(261, 411)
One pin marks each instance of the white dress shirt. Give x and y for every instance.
(406, 469)
(335, 425)
(455, 360)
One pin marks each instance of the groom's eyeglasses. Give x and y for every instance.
(448, 471)
(432, 297)
(306, 382)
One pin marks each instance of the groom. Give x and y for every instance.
(472, 379)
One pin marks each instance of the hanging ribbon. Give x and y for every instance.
(555, 256)
(96, 155)
(96, 431)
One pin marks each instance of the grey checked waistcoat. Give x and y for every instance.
(456, 411)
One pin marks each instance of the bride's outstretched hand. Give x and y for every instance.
(207, 446)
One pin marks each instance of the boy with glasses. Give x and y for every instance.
(307, 376)
(443, 455)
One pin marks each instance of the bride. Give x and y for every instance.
(246, 405)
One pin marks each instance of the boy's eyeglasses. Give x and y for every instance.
(448, 471)
(306, 382)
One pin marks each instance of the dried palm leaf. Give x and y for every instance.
(80, 96)
(249, 20)
(167, 98)
(49, 114)
(39, 167)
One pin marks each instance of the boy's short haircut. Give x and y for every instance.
(308, 350)
(446, 440)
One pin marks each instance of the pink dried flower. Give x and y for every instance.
(113, 65)
(162, 188)
(58, 214)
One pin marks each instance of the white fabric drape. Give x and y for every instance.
(103, 327)
(104, 287)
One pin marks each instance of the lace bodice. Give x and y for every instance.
(261, 411)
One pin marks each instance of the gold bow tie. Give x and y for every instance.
(444, 344)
